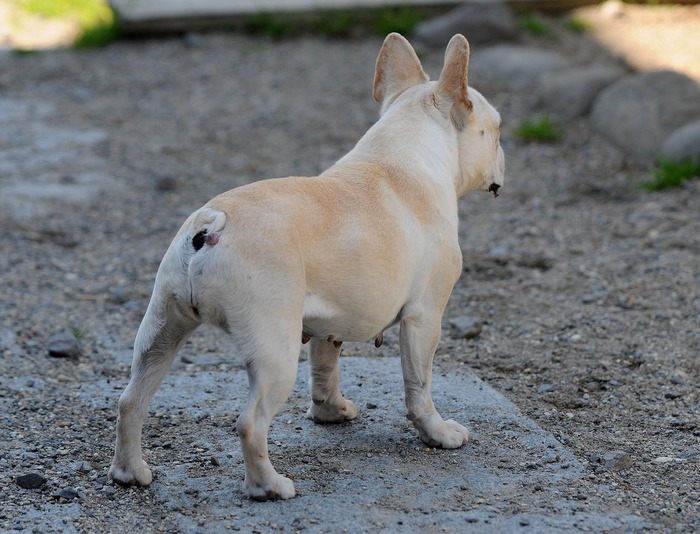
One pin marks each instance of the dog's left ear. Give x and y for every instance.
(397, 69)
(452, 91)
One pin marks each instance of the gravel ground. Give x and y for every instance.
(588, 288)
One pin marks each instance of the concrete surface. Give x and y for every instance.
(373, 474)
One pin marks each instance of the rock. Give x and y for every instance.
(617, 460)
(84, 467)
(7, 338)
(466, 326)
(571, 92)
(684, 143)
(546, 388)
(518, 67)
(640, 111)
(68, 494)
(64, 345)
(672, 395)
(31, 481)
(668, 460)
(479, 23)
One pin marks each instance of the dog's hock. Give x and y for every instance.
(397, 69)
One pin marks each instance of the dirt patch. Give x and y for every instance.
(583, 283)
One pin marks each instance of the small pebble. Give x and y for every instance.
(466, 327)
(617, 460)
(546, 388)
(68, 494)
(63, 345)
(31, 481)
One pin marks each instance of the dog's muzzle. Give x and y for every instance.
(494, 189)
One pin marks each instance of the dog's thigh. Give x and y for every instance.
(419, 337)
(327, 402)
(161, 333)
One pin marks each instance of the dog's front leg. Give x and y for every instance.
(271, 375)
(161, 333)
(328, 404)
(419, 337)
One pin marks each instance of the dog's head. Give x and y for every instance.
(459, 110)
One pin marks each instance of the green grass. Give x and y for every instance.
(77, 333)
(533, 25)
(400, 19)
(98, 23)
(274, 25)
(672, 173)
(336, 23)
(577, 25)
(542, 129)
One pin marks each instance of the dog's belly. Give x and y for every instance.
(347, 323)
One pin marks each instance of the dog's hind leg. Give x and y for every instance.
(272, 366)
(419, 337)
(328, 404)
(163, 329)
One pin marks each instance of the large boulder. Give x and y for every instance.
(639, 112)
(570, 93)
(479, 23)
(684, 143)
(517, 67)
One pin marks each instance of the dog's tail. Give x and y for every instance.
(200, 232)
(206, 226)
(173, 300)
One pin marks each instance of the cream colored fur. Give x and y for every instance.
(339, 257)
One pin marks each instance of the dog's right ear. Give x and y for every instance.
(397, 69)
(452, 90)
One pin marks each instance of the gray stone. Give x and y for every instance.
(518, 67)
(546, 388)
(571, 92)
(63, 345)
(684, 143)
(466, 327)
(7, 338)
(397, 466)
(479, 23)
(68, 494)
(31, 481)
(83, 467)
(640, 111)
(617, 460)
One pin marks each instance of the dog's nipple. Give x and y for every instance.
(379, 340)
(211, 239)
(336, 343)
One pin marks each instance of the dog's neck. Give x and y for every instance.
(418, 149)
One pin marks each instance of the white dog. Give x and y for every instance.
(342, 256)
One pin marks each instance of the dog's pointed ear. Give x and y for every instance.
(397, 69)
(452, 90)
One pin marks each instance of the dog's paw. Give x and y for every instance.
(455, 437)
(278, 488)
(139, 476)
(329, 413)
(436, 432)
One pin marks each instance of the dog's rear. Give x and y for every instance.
(172, 315)
(371, 242)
